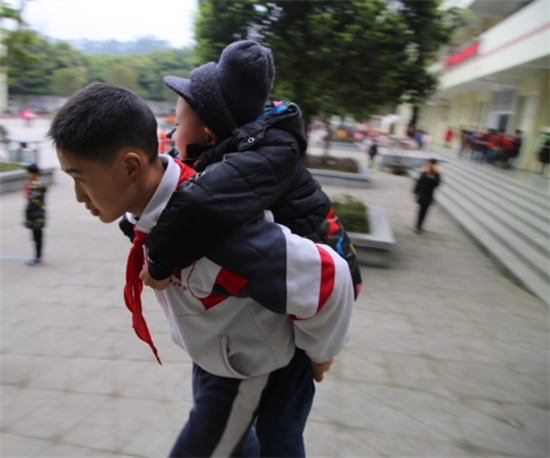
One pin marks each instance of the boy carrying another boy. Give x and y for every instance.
(249, 160)
(261, 314)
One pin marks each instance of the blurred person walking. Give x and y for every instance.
(419, 138)
(373, 149)
(544, 155)
(467, 138)
(507, 149)
(493, 147)
(479, 151)
(448, 137)
(424, 190)
(516, 149)
(35, 211)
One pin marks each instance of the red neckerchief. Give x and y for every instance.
(134, 284)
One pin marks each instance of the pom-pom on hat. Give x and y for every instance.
(232, 92)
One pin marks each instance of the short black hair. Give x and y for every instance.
(33, 168)
(433, 161)
(100, 119)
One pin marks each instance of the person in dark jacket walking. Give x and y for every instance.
(424, 190)
(35, 211)
(249, 159)
(544, 155)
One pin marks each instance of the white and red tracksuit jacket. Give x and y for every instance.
(240, 310)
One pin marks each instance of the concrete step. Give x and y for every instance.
(527, 197)
(515, 241)
(498, 249)
(503, 176)
(508, 213)
(507, 218)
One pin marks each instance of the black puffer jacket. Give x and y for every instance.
(258, 168)
(425, 186)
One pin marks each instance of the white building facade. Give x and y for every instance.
(498, 79)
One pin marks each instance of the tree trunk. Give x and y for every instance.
(327, 140)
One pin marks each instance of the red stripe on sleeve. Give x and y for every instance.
(327, 277)
(327, 281)
(212, 300)
(230, 281)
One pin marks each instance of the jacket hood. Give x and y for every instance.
(288, 121)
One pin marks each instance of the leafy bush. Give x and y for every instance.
(352, 214)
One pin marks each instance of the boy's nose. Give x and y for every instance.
(81, 196)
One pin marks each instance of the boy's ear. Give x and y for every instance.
(133, 164)
(212, 137)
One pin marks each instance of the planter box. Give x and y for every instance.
(375, 249)
(15, 180)
(409, 159)
(354, 180)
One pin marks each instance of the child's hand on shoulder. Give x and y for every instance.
(318, 369)
(151, 282)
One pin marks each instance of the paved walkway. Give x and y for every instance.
(447, 357)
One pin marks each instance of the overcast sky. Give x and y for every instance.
(122, 20)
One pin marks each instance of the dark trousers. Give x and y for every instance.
(37, 237)
(260, 416)
(422, 211)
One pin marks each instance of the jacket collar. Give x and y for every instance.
(252, 134)
(160, 198)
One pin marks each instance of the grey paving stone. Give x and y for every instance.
(447, 358)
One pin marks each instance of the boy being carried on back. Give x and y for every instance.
(251, 314)
(248, 161)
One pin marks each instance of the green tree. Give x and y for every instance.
(35, 76)
(65, 56)
(66, 81)
(120, 75)
(219, 23)
(98, 65)
(16, 39)
(335, 56)
(148, 69)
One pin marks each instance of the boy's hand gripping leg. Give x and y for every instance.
(318, 369)
(150, 281)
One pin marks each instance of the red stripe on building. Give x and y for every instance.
(512, 42)
(463, 54)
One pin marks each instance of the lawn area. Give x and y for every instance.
(8, 167)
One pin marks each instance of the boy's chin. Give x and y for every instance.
(107, 219)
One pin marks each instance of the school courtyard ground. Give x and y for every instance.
(447, 358)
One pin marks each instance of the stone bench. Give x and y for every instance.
(410, 159)
(14, 181)
(354, 180)
(375, 249)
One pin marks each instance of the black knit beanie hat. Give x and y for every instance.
(232, 92)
